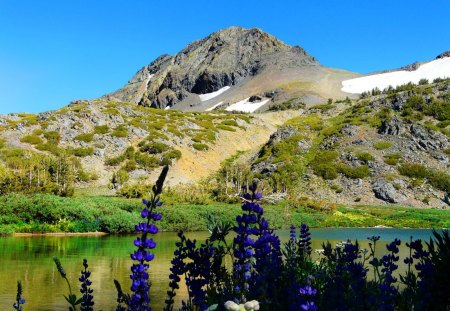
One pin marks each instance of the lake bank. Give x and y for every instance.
(40, 213)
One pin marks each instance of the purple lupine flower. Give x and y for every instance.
(307, 294)
(178, 268)
(140, 286)
(19, 300)
(304, 241)
(292, 233)
(87, 299)
(387, 290)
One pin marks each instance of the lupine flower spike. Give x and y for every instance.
(140, 300)
(19, 300)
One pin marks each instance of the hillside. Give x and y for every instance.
(389, 147)
(306, 140)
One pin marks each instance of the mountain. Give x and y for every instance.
(230, 66)
(389, 144)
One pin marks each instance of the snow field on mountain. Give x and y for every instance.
(439, 68)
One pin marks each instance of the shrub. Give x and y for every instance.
(101, 129)
(112, 111)
(52, 137)
(200, 146)
(323, 107)
(380, 145)
(83, 152)
(87, 137)
(392, 159)
(115, 161)
(361, 171)
(423, 81)
(120, 131)
(437, 179)
(438, 109)
(413, 170)
(31, 139)
(225, 128)
(323, 164)
(146, 161)
(365, 157)
(154, 147)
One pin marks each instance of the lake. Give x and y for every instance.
(29, 259)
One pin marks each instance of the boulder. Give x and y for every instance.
(385, 191)
(393, 126)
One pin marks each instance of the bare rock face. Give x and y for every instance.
(393, 126)
(224, 58)
(443, 55)
(385, 191)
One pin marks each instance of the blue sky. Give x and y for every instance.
(52, 52)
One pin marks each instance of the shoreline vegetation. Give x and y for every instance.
(38, 214)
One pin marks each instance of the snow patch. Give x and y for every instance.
(207, 96)
(213, 107)
(167, 108)
(439, 68)
(149, 78)
(246, 106)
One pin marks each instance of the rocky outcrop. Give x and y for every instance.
(442, 55)
(392, 126)
(428, 140)
(385, 191)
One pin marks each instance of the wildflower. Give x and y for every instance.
(307, 294)
(387, 291)
(140, 300)
(19, 300)
(87, 299)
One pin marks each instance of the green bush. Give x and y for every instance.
(115, 161)
(31, 139)
(361, 171)
(87, 137)
(437, 179)
(380, 145)
(48, 147)
(147, 161)
(154, 147)
(413, 170)
(120, 131)
(52, 137)
(82, 152)
(226, 128)
(324, 165)
(365, 157)
(200, 146)
(438, 109)
(323, 107)
(392, 159)
(101, 129)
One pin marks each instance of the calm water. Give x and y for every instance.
(30, 259)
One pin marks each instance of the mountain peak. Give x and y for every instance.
(223, 60)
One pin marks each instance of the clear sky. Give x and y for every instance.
(55, 51)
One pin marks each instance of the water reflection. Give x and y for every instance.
(30, 259)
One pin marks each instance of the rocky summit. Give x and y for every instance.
(244, 62)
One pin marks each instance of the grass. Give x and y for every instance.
(89, 212)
